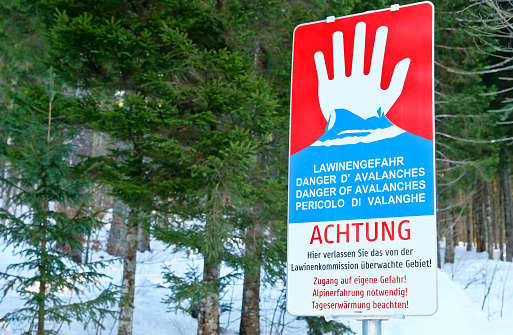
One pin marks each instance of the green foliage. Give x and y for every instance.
(185, 292)
(465, 129)
(187, 113)
(51, 213)
(21, 43)
(194, 96)
(319, 326)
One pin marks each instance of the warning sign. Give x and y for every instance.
(362, 227)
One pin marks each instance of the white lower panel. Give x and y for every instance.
(380, 267)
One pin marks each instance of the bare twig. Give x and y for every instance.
(490, 285)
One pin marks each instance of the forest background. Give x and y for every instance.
(168, 121)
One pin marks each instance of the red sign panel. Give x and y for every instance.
(410, 31)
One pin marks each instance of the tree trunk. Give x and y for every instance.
(208, 316)
(126, 305)
(7, 193)
(496, 211)
(479, 205)
(117, 240)
(438, 227)
(143, 240)
(250, 317)
(42, 291)
(500, 211)
(508, 208)
(42, 270)
(449, 239)
(470, 230)
(489, 223)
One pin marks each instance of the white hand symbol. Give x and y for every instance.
(360, 94)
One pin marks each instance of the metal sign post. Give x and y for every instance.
(361, 221)
(371, 327)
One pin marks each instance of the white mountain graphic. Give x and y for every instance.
(355, 107)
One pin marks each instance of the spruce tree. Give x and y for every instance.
(36, 147)
(263, 29)
(465, 130)
(489, 23)
(186, 119)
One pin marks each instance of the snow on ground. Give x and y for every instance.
(459, 309)
(475, 297)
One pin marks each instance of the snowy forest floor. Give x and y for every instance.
(475, 296)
